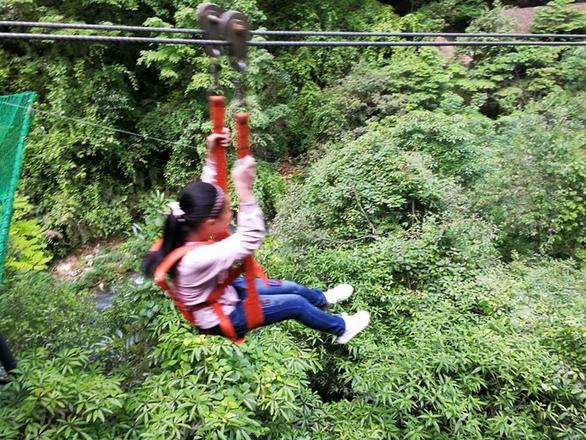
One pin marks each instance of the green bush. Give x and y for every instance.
(504, 79)
(468, 353)
(27, 245)
(59, 397)
(559, 16)
(533, 188)
(456, 142)
(37, 311)
(365, 189)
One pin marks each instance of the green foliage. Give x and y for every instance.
(409, 192)
(154, 206)
(506, 78)
(454, 141)
(77, 173)
(560, 16)
(534, 184)
(28, 248)
(385, 179)
(269, 189)
(37, 311)
(456, 13)
(493, 20)
(409, 80)
(468, 353)
(59, 397)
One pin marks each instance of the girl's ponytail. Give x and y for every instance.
(196, 204)
(172, 239)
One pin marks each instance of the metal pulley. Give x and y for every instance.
(209, 16)
(234, 28)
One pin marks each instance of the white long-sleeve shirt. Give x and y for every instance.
(202, 269)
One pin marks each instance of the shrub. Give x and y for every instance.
(365, 189)
(27, 245)
(534, 185)
(37, 311)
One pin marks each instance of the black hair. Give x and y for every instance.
(197, 201)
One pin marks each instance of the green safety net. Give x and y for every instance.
(15, 119)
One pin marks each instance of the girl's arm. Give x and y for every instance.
(216, 140)
(209, 173)
(206, 262)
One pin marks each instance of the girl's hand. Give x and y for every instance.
(243, 176)
(218, 140)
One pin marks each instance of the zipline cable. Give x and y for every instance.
(187, 41)
(409, 34)
(171, 30)
(100, 27)
(93, 124)
(110, 39)
(411, 43)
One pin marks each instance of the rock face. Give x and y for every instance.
(523, 17)
(448, 53)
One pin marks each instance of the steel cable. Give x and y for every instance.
(261, 43)
(110, 39)
(412, 43)
(104, 27)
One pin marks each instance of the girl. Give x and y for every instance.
(204, 211)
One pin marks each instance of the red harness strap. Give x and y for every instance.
(252, 270)
(251, 302)
(160, 277)
(217, 114)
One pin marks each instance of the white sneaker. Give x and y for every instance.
(354, 324)
(338, 294)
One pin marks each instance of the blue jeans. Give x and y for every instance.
(283, 300)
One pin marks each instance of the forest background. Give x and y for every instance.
(450, 193)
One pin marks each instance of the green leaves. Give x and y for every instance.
(534, 178)
(560, 16)
(412, 176)
(28, 248)
(62, 397)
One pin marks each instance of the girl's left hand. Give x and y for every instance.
(215, 140)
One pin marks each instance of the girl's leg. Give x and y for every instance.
(277, 308)
(282, 287)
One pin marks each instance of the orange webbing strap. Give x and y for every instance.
(217, 110)
(164, 267)
(156, 245)
(225, 324)
(252, 270)
(160, 277)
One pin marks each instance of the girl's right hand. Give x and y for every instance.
(218, 140)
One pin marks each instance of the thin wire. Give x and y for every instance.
(118, 39)
(111, 39)
(101, 27)
(412, 43)
(172, 30)
(93, 124)
(410, 34)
